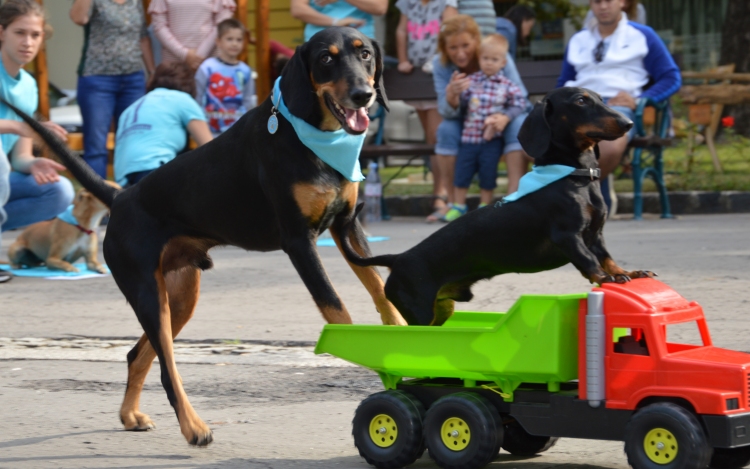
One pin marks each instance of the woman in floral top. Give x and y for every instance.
(110, 75)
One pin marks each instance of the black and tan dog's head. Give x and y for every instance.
(567, 123)
(333, 79)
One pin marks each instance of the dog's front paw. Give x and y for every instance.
(606, 278)
(98, 268)
(136, 421)
(642, 274)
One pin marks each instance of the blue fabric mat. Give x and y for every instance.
(330, 243)
(44, 272)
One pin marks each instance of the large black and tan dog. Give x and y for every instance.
(248, 188)
(560, 223)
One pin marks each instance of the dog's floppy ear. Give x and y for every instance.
(535, 134)
(296, 87)
(379, 88)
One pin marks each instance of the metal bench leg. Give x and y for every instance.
(637, 185)
(660, 184)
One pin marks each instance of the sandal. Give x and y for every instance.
(438, 213)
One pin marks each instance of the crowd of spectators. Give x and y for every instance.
(203, 87)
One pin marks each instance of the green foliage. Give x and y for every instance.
(550, 10)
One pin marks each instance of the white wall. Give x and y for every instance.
(64, 48)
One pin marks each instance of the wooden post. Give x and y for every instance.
(262, 50)
(241, 14)
(42, 77)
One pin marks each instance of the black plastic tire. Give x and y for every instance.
(485, 426)
(407, 412)
(730, 458)
(692, 448)
(519, 442)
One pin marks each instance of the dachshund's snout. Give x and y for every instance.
(361, 97)
(626, 124)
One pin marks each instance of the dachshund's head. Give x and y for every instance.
(567, 123)
(333, 79)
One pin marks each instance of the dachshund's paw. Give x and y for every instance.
(622, 278)
(137, 422)
(642, 274)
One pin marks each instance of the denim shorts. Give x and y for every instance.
(449, 136)
(629, 113)
(479, 158)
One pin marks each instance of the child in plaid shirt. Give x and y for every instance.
(490, 103)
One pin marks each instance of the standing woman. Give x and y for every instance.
(458, 44)
(186, 29)
(33, 191)
(110, 74)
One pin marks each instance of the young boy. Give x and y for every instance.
(224, 86)
(490, 103)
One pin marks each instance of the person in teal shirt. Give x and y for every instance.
(320, 14)
(30, 188)
(154, 129)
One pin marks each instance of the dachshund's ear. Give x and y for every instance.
(379, 88)
(535, 134)
(296, 87)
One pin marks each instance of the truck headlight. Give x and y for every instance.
(733, 403)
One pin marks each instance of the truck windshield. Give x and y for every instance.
(683, 336)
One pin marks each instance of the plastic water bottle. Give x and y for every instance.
(373, 192)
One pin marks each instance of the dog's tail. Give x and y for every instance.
(351, 255)
(83, 172)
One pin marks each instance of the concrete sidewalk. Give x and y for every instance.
(246, 359)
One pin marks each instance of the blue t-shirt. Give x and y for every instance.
(152, 130)
(21, 91)
(225, 91)
(338, 10)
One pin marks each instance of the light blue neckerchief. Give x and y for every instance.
(67, 216)
(338, 149)
(539, 177)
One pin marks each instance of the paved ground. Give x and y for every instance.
(247, 363)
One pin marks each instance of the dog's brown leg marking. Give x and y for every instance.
(373, 283)
(612, 268)
(195, 431)
(443, 309)
(313, 200)
(183, 290)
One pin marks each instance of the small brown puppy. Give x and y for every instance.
(58, 243)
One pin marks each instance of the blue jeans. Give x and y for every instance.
(478, 158)
(102, 98)
(449, 136)
(31, 202)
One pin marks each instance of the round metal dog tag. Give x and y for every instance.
(273, 124)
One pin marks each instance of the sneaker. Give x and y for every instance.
(5, 276)
(455, 212)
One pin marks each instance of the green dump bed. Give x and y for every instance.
(536, 341)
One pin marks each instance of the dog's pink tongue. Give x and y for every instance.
(357, 120)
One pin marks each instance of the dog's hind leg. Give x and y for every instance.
(183, 289)
(369, 276)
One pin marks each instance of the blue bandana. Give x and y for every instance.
(539, 177)
(67, 216)
(338, 149)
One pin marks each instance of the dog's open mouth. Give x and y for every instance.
(354, 121)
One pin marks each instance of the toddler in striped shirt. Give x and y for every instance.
(489, 104)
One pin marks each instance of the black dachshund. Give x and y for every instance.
(256, 187)
(559, 223)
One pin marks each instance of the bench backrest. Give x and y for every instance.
(538, 77)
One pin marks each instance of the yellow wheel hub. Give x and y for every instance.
(660, 446)
(383, 430)
(455, 434)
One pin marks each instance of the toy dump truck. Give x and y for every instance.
(602, 366)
